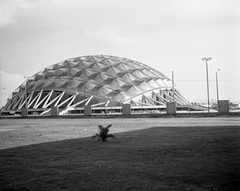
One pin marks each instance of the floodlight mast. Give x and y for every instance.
(206, 59)
(217, 85)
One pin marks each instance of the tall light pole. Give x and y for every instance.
(217, 84)
(206, 59)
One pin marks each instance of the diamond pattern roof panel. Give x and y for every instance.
(87, 64)
(110, 71)
(160, 83)
(150, 74)
(129, 68)
(73, 71)
(105, 62)
(165, 82)
(93, 75)
(99, 79)
(49, 83)
(98, 58)
(56, 66)
(121, 66)
(153, 84)
(109, 80)
(132, 91)
(113, 61)
(144, 86)
(38, 77)
(61, 72)
(30, 86)
(73, 64)
(118, 98)
(48, 73)
(93, 87)
(59, 83)
(83, 75)
(114, 84)
(105, 76)
(135, 65)
(65, 64)
(118, 72)
(90, 59)
(39, 84)
(95, 67)
(141, 75)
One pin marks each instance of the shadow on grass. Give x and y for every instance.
(159, 158)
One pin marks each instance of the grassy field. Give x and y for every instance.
(157, 158)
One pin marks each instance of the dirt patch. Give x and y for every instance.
(34, 131)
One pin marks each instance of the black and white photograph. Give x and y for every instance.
(120, 95)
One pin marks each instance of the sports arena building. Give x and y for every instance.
(103, 82)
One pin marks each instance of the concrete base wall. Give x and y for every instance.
(24, 112)
(87, 110)
(54, 111)
(126, 109)
(171, 107)
(223, 106)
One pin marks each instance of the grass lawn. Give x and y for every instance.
(159, 158)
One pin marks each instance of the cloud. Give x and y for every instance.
(81, 3)
(8, 83)
(11, 8)
(10, 80)
(6, 14)
(113, 37)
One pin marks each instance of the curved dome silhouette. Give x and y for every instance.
(97, 80)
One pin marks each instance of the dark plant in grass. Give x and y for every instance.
(103, 133)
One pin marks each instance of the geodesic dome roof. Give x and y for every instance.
(104, 77)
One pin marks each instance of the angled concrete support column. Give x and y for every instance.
(87, 110)
(24, 112)
(171, 107)
(54, 111)
(126, 109)
(223, 106)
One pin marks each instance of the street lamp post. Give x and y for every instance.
(206, 59)
(217, 85)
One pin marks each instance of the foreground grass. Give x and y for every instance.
(160, 158)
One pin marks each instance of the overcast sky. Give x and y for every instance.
(168, 35)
